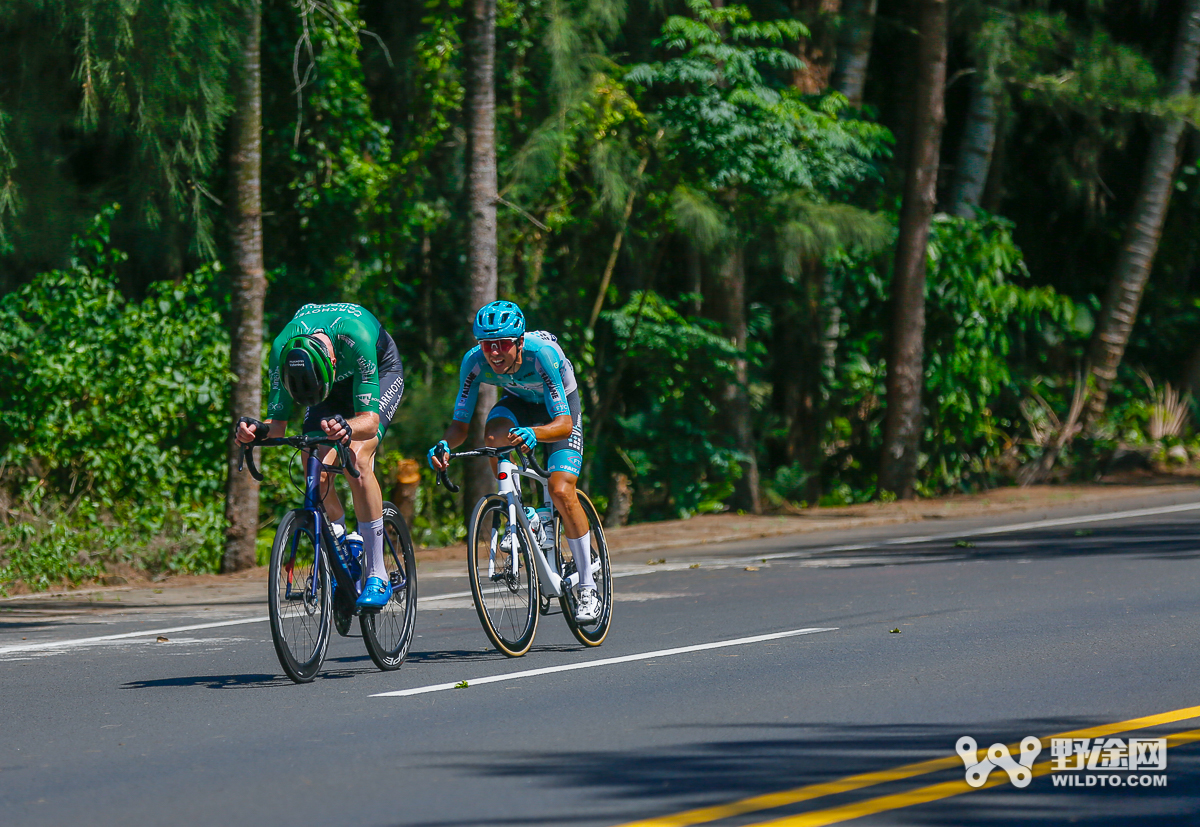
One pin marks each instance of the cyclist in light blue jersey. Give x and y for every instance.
(539, 403)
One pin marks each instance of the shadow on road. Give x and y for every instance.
(777, 757)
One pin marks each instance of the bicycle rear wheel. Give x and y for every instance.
(299, 596)
(593, 633)
(388, 632)
(503, 583)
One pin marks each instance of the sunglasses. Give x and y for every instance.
(498, 345)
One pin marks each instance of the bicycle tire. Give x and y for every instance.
(506, 596)
(594, 633)
(302, 616)
(388, 632)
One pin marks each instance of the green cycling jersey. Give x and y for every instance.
(355, 334)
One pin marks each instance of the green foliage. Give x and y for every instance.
(732, 126)
(327, 158)
(976, 309)
(669, 435)
(139, 91)
(114, 421)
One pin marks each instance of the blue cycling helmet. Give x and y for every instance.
(499, 320)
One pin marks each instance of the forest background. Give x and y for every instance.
(800, 251)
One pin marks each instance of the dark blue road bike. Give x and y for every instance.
(313, 590)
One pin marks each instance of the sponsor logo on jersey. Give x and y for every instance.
(466, 388)
(309, 309)
(365, 367)
(273, 377)
(363, 398)
(345, 339)
(391, 397)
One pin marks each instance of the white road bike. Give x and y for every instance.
(514, 577)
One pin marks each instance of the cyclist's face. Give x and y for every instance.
(504, 355)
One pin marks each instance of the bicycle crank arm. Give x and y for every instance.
(573, 580)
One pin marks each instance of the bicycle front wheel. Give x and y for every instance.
(594, 632)
(300, 599)
(503, 582)
(388, 632)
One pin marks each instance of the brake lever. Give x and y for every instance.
(343, 453)
(248, 455)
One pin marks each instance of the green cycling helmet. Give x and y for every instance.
(306, 370)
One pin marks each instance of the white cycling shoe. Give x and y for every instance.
(587, 609)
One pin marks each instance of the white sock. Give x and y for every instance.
(581, 553)
(372, 534)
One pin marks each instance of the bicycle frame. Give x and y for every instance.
(550, 584)
(323, 534)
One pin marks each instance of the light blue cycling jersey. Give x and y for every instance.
(546, 375)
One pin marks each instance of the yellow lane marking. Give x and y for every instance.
(924, 795)
(869, 779)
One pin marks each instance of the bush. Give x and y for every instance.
(113, 422)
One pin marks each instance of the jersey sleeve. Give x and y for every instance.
(279, 402)
(468, 386)
(549, 368)
(362, 348)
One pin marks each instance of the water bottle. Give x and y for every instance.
(535, 523)
(354, 554)
(546, 515)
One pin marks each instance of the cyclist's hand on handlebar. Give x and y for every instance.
(337, 428)
(522, 437)
(437, 458)
(250, 431)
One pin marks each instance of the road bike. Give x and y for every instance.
(312, 588)
(514, 577)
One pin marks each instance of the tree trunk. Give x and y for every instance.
(854, 49)
(817, 49)
(481, 197)
(905, 373)
(729, 307)
(249, 291)
(1145, 227)
(804, 351)
(975, 151)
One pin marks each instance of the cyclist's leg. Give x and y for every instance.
(564, 465)
(503, 417)
(368, 497)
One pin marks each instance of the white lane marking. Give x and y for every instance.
(983, 532)
(549, 670)
(88, 641)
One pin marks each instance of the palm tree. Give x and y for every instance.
(905, 370)
(249, 291)
(481, 202)
(1140, 244)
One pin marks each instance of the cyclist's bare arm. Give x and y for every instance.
(455, 435)
(363, 426)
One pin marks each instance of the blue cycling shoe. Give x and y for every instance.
(375, 595)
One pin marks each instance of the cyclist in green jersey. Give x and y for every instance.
(339, 362)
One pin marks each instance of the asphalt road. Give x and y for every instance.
(1049, 624)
